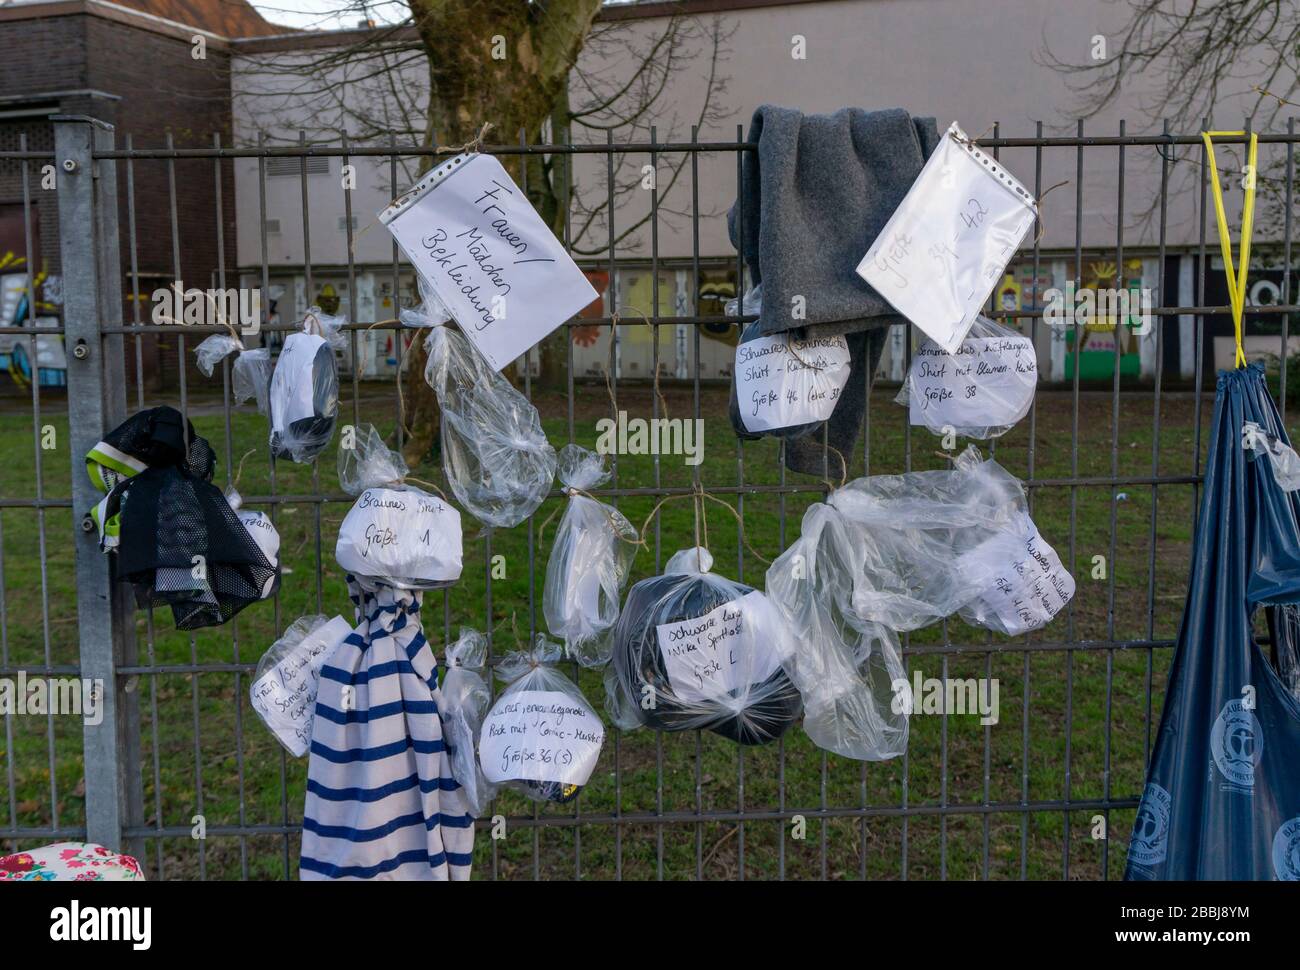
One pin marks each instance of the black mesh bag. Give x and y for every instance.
(182, 545)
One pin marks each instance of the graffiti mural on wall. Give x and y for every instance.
(23, 358)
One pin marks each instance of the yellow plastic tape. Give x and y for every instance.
(1236, 274)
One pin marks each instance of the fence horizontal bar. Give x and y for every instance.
(390, 151)
(43, 670)
(77, 833)
(692, 818)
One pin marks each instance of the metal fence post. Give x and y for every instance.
(88, 249)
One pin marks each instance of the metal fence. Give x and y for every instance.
(181, 773)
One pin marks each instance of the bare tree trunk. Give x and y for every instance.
(503, 62)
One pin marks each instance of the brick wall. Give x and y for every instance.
(159, 88)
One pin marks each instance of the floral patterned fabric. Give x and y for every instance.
(83, 861)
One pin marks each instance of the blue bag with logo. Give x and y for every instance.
(1222, 799)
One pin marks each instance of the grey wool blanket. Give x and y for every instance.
(813, 198)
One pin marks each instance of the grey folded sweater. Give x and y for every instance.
(812, 200)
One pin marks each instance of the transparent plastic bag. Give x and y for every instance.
(304, 396)
(1285, 462)
(264, 533)
(465, 697)
(394, 534)
(541, 737)
(982, 391)
(696, 651)
(1030, 585)
(589, 564)
(250, 375)
(283, 692)
(934, 542)
(494, 453)
(848, 669)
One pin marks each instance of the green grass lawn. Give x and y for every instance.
(1084, 716)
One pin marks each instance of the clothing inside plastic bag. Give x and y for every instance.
(465, 700)
(395, 534)
(1222, 799)
(494, 453)
(589, 564)
(981, 391)
(848, 669)
(959, 539)
(696, 651)
(283, 692)
(541, 737)
(250, 374)
(304, 396)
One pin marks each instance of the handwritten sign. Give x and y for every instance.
(1028, 584)
(988, 383)
(472, 235)
(949, 241)
(540, 735)
(782, 382)
(401, 534)
(285, 696)
(712, 655)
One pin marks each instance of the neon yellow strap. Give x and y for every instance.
(1236, 275)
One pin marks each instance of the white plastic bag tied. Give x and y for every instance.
(250, 375)
(590, 561)
(465, 697)
(847, 667)
(283, 692)
(541, 737)
(494, 453)
(394, 534)
(696, 651)
(304, 396)
(936, 542)
(1285, 462)
(980, 391)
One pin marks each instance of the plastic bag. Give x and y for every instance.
(848, 669)
(283, 692)
(590, 560)
(250, 375)
(304, 396)
(788, 385)
(936, 542)
(264, 533)
(696, 651)
(541, 736)
(494, 452)
(981, 391)
(1285, 462)
(465, 699)
(394, 534)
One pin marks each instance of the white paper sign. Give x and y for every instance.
(949, 241)
(989, 382)
(293, 392)
(783, 383)
(709, 656)
(285, 696)
(1029, 584)
(540, 735)
(472, 235)
(400, 534)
